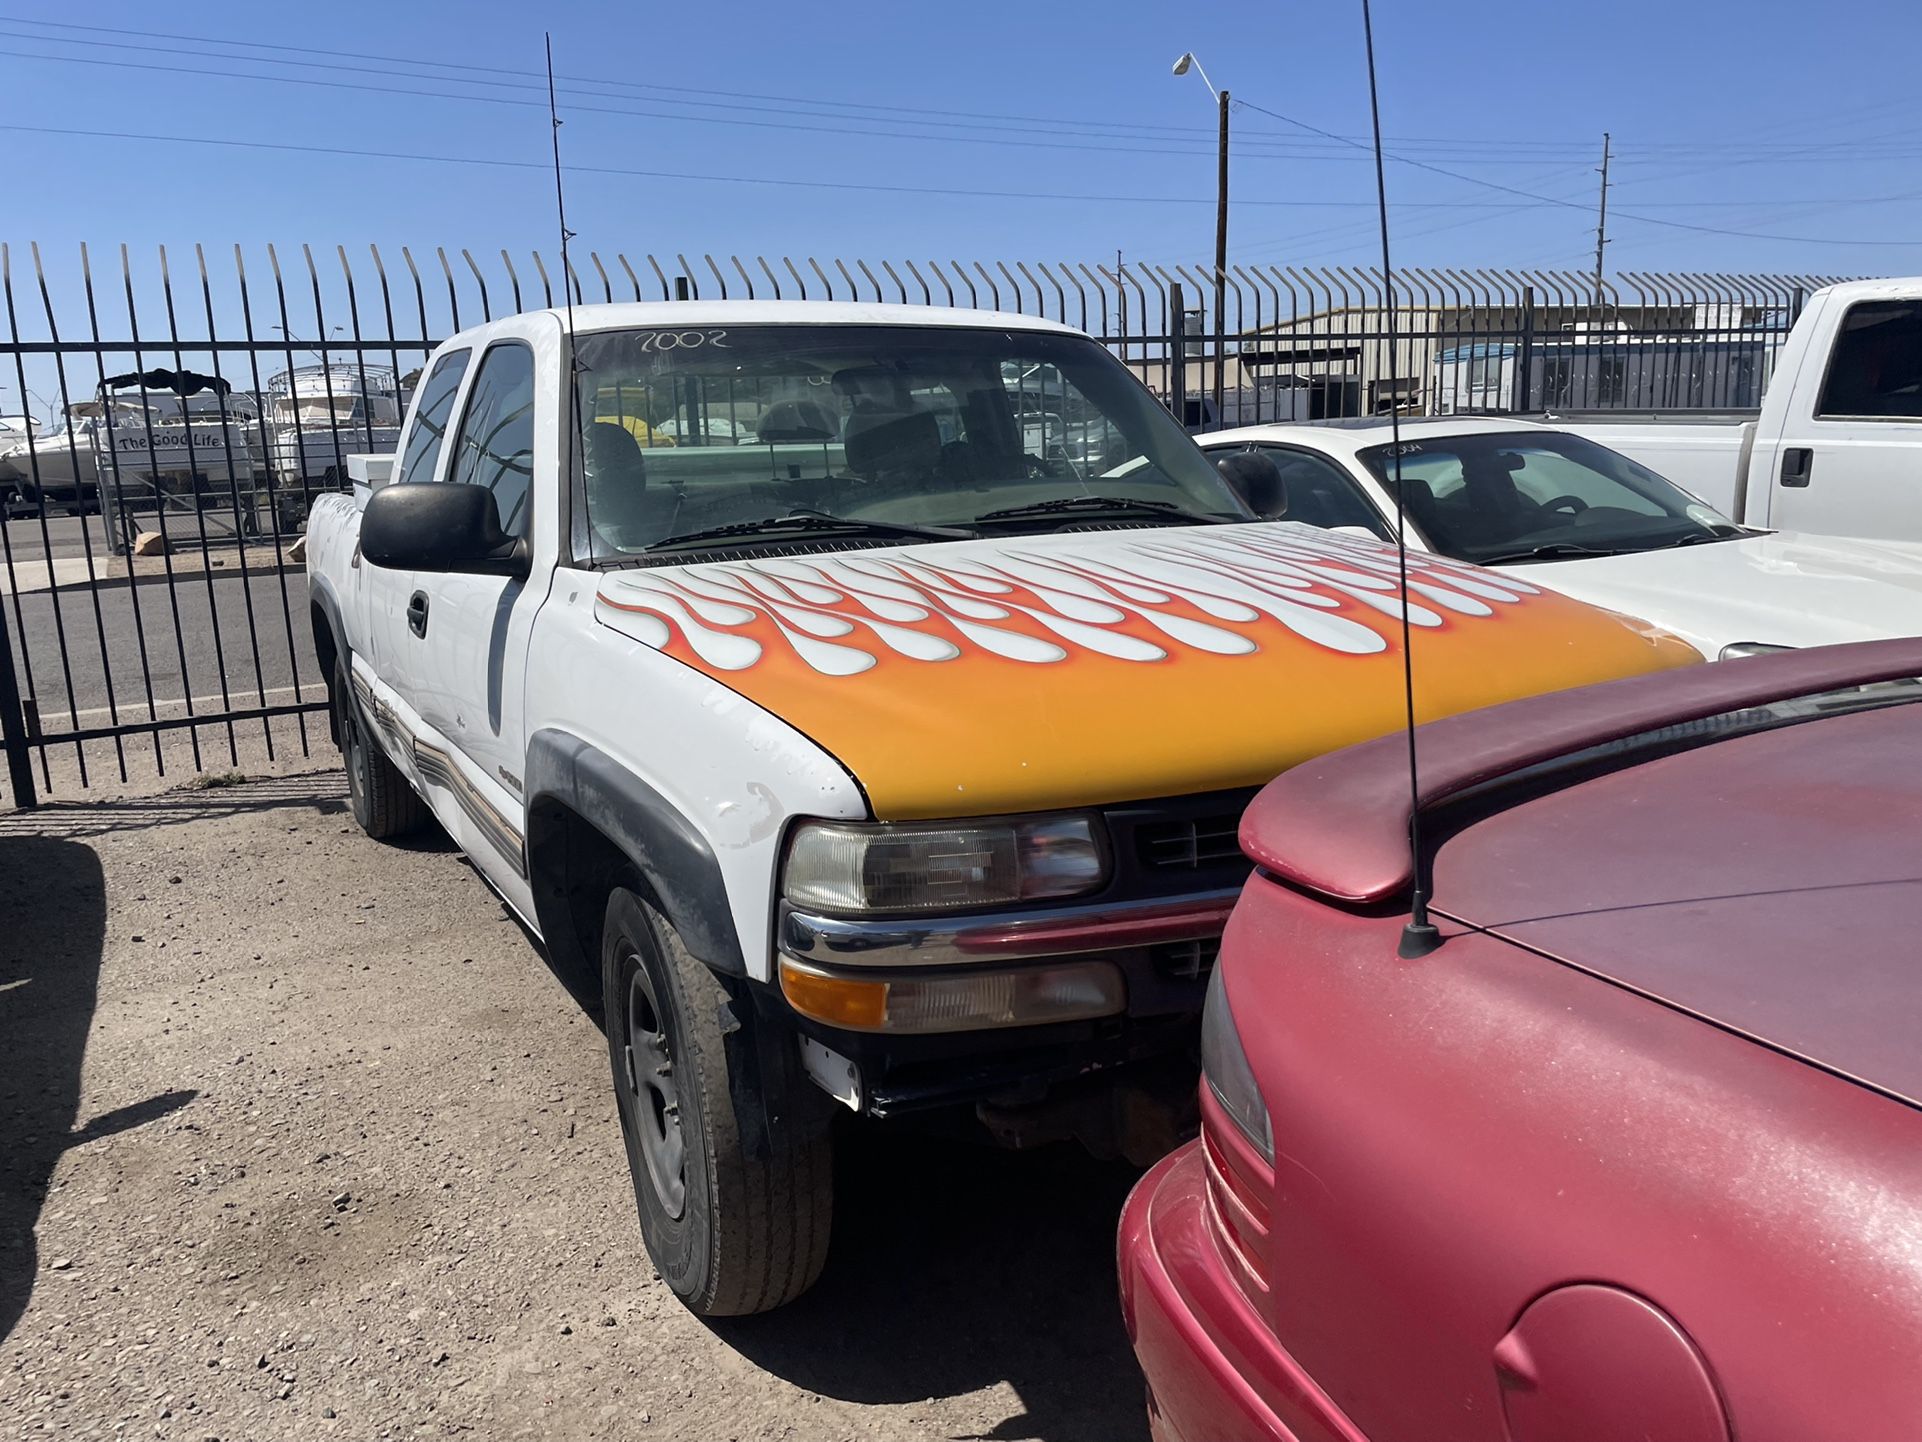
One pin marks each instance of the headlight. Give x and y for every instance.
(848, 867)
(1749, 648)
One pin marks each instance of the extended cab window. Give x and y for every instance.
(1877, 366)
(495, 448)
(422, 451)
(1321, 494)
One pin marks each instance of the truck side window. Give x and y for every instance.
(422, 452)
(1320, 494)
(495, 447)
(1877, 366)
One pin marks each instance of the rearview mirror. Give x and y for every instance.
(439, 526)
(1254, 476)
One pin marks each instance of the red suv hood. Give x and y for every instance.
(1770, 883)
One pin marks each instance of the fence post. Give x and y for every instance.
(13, 727)
(1177, 354)
(1525, 353)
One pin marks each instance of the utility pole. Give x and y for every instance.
(1221, 259)
(1601, 222)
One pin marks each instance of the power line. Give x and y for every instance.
(1496, 208)
(788, 125)
(1574, 205)
(416, 65)
(1572, 148)
(706, 177)
(1532, 196)
(1264, 149)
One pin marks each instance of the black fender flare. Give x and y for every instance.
(673, 858)
(321, 597)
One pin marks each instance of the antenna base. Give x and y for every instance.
(1418, 939)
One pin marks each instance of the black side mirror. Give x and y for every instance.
(439, 526)
(1254, 476)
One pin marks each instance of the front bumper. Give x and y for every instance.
(1214, 1368)
(1162, 947)
(1177, 873)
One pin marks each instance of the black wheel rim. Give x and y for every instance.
(653, 1098)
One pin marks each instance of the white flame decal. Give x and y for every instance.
(839, 614)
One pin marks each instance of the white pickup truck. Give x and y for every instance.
(1836, 448)
(856, 751)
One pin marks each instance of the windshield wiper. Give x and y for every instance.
(1119, 504)
(1554, 551)
(1702, 538)
(812, 521)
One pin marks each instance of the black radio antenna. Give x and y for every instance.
(567, 279)
(1419, 936)
(560, 195)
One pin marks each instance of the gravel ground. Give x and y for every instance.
(299, 1137)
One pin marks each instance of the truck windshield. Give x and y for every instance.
(1501, 496)
(691, 431)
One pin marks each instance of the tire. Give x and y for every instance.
(728, 1143)
(384, 803)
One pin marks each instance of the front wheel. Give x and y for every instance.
(728, 1143)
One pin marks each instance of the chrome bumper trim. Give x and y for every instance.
(1005, 935)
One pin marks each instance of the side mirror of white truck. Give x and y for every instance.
(435, 526)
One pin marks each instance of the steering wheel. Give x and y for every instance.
(1574, 505)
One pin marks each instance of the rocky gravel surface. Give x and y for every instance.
(299, 1137)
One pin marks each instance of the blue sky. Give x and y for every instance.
(996, 131)
(1711, 104)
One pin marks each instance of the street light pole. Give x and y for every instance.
(1182, 67)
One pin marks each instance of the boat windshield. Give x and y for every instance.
(1502, 496)
(969, 429)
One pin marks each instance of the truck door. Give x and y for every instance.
(389, 643)
(469, 633)
(1849, 460)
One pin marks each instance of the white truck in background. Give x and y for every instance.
(1836, 448)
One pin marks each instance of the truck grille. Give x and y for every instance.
(1191, 843)
(1187, 960)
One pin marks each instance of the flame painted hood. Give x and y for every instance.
(985, 676)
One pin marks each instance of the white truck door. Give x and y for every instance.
(1849, 458)
(389, 648)
(469, 633)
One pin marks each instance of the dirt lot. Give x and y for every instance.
(299, 1137)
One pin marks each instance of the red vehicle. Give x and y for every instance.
(1637, 1152)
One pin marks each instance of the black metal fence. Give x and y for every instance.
(190, 409)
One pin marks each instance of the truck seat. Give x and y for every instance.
(621, 508)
